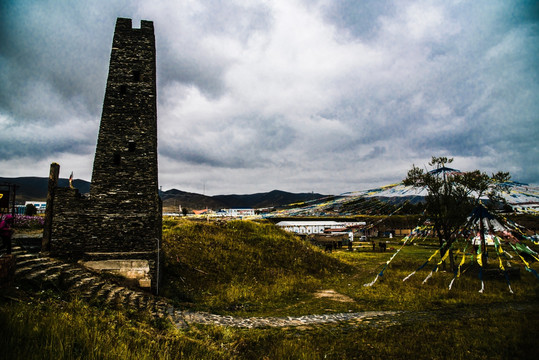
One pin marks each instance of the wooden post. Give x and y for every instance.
(13, 202)
(47, 228)
(482, 237)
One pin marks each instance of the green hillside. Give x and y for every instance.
(241, 266)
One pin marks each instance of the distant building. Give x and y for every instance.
(20, 209)
(203, 212)
(526, 207)
(236, 212)
(40, 206)
(317, 227)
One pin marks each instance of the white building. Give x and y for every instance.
(40, 206)
(316, 227)
(236, 212)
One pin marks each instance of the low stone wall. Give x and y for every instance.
(140, 267)
(89, 230)
(84, 225)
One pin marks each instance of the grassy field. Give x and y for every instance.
(53, 329)
(249, 269)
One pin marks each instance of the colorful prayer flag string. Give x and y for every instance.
(526, 264)
(389, 261)
(499, 252)
(479, 259)
(457, 270)
(444, 257)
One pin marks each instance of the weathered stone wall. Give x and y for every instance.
(84, 224)
(72, 223)
(121, 217)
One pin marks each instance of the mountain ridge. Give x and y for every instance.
(32, 188)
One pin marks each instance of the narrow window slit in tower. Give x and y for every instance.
(136, 76)
(123, 89)
(117, 159)
(131, 146)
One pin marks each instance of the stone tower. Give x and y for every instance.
(126, 154)
(124, 178)
(117, 228)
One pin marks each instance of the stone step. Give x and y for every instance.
(23, 272)
(56, 275)
(68, 279)
(158, 309)
(132, 300)
(139, 302)
(17, 250)
(21, 255)
(48, 272)
(75, 279)
(93, 287)
(122, 296)
(125, 298)
(84, 282)
(90, 293)
(29, 261)
(103, 291)
(114, 294)
(144, 302)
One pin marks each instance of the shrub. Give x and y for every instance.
(30, 210)
(28, 222)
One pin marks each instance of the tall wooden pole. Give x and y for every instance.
(47, 228)
(482, 237)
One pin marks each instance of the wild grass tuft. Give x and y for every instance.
(54, 329)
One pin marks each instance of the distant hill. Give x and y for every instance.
(173, 198)
(263, 200)
(35, 189)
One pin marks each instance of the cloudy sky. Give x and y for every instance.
(298, 95)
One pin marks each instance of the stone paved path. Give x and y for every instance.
(306, 320)
(44, 272)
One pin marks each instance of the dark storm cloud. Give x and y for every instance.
(256, 145)
(326, 96)
(53, 67)
(40, 149)
(48, 55)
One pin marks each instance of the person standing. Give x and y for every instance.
(6, 231)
